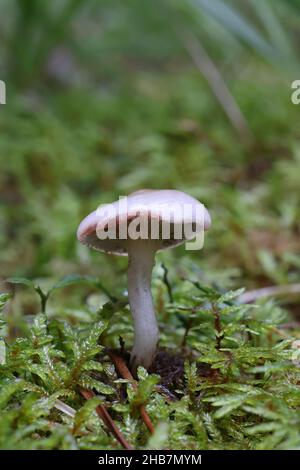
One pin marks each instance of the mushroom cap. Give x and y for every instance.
(163, 206)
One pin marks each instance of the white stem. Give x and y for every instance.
(141, 259)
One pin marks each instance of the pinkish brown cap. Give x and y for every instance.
(164, 206)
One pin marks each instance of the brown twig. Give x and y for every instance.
(106, 418)
(272, 291)
(293, 325)
(125, 373)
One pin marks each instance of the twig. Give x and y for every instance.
(64, 408)
(106, 418)
(293, 325)
(272, 291)
(216, 82)
(125, 373)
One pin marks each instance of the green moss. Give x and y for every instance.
(141, 115)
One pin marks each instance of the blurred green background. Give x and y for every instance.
(106, 97)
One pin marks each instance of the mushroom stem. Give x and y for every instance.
(141, 260)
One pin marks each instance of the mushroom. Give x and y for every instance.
(138, 226)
